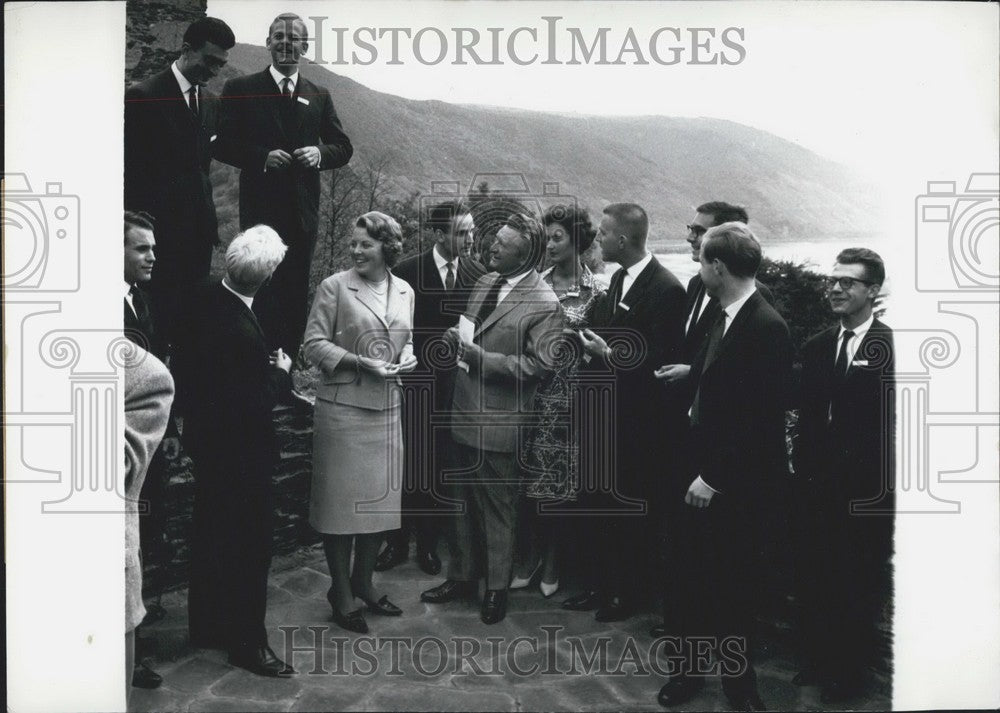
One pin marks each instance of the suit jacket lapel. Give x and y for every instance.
(354, 284)
(512, 300)
(748, 309)
(636, 292)
(396, 300)
(269, 90)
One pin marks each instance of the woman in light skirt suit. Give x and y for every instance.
(359, 335)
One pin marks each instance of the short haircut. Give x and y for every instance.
(138, 219)
(386, 230)
(575, 221)
(209, 29)
(723, 212)
(734, 245)
(631, 220)
(443, 215)
(872, 261)
(531, 230)
(253, 255)
(287, 17)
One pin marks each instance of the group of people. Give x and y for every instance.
(516, 410)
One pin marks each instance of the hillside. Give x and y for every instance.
(666, 164)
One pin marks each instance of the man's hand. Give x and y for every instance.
(281, 360)
(307, 156)
(171, 447)
(672, 373)
(593, 344)
(278, 159)
(699, 495)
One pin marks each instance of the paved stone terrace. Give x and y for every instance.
(201, 680)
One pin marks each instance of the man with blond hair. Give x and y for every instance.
(228, 385)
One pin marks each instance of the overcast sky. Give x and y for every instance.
(886, 87)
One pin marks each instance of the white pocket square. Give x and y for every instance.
(860, 362)
(303, 100)
(214, 137)
(624, 306)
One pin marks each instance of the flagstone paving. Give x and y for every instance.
(442, 658)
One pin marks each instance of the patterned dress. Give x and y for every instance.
(550, 459)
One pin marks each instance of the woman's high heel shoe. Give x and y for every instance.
(522, 582)
(351, 621)
(548, 589)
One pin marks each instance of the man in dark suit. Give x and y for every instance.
(170, 122)
(281, 130)
(229, 385)
(441, 278)
(844, 467)
(738, 430)
(514, 320)
(645, 306)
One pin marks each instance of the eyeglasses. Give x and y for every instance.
(845, 283)
(696, 229)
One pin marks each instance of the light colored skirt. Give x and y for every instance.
(357, 476)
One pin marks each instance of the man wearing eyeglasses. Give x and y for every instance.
(843, 461)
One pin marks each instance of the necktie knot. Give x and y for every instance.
(449, 280)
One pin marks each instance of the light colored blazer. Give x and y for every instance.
(149, 392)
(493, 402)
(346, 320)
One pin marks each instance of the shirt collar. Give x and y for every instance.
(128, 289)
(734, 309)
(441, 262)
(248, 301)
(279, 77)
(512, 281)
(634, 271)
(860, 330)
(182, 81)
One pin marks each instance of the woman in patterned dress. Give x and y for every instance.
(550, 460)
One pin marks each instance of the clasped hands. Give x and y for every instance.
(467, 352)
(380, 367)
(306, 157)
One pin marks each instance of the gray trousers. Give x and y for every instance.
(485, 534)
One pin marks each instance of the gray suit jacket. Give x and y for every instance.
(149, 392)
(345, 319)
(493, 400)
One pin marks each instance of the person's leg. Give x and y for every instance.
(338, 558)
(366, 548)
(496, 497)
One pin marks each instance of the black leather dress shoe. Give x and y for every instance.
(615, 609)
(390, 557)
(383, 606)
(145, 677)
(658, 631)
(260, 660)
(584, 601)
(494, 607)
(449, 590)
(679, 690)
(428, 562)
(351, 621)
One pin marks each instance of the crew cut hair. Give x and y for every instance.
(631, 220)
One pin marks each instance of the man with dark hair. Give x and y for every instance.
(170, 123)
(281, 130)
(738, 434)
(843, 460)
(441, 277)
(512, 315)
(644, 306)
(229, 385)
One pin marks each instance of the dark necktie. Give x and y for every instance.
(449, 279)
(193, 99)
(490, 303)
(840, 366)
(617, 280)
(711, 349)
(696, 311)
(286, 88)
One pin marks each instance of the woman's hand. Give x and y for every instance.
(375, 366)
(407, 363)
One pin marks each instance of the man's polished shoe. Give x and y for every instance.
(615, 609)
(584, 601)
(679, 690)
(494, 607)
(260, 660)
(658, 631)
(449, 590)
(383, 606)
(746, 702)
(428, 561)
(145, 677)
(390, 557)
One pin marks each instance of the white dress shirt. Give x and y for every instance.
(442, 266)
(734, 309)
(248, 301)
(507, 287)
(859, 333)
(185, 85)
(128, 297)
(279, 78)
(632, 273)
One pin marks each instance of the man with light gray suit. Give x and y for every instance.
(516, 320)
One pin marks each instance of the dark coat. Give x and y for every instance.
(168, 152)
